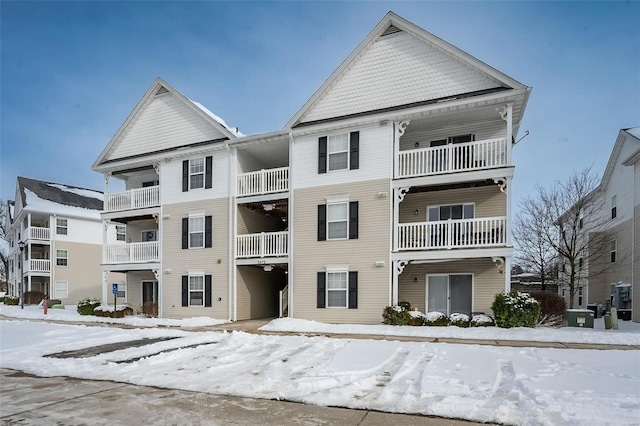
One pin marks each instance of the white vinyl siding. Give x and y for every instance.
(61, 290)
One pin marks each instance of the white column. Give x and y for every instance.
(394, 285)
(395, 219)
(507, 273)
(509, 131)
(105, 286)
(508, 212)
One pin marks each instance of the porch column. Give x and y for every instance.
(106, 190)
(398, 196)
(508, 212)
(509, 131)
(105, 287)
(28, 282)
(398, 130)
(398, 267)
(507, 274)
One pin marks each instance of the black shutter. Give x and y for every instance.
(353, 220)
(185, 232)
(354, 150)
(185, 175)
(185, 290)
(207, 231)
(353, 290)
(322, 222)
(322, 154)
(207, 291)
(208, 172)
(321, 290)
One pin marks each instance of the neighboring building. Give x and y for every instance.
(612, 278)
(392, 183)
(62, 235)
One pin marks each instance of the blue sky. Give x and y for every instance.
(71, 72)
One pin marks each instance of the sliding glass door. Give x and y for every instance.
(449, 293)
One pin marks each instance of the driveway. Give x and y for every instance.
(27, 399)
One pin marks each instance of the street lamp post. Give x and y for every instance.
(21, 245)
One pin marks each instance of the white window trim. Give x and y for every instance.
(346, 289)
(120, 233)
(197, 232)
(426, 289)
(346, 237)
(614, 205)
(203, 173)
(189, 291)
(66, 258)
(55, 289)
(348, 150)
(65, 226)
(450, 205)
(613, 249)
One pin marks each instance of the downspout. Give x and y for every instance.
(290, 310)
(231, 272)
(159, 278)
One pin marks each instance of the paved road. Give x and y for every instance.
(27, 400)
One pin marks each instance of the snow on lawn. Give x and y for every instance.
(530, 386)
(627, 334)
(70, 314)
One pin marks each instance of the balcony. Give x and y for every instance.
(453, 233)
(452, 158)
(131, 253)
(264, 244)
(39, 233)
(263, 182)
(39, 265)
(138, 198)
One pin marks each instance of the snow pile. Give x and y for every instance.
(35, 203)
(521, 386)
(218, 119)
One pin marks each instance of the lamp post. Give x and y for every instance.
(21, 245)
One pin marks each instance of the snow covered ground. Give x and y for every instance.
(530, 386)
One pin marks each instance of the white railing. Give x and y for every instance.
(38, 233)
(131, 253)
(39, 265)
(263, 182)
(447, 234)
(284, 302)
(263, 244)
(132, 199)
(452, 158)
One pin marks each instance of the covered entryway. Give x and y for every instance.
(259, 290)
(149, 291)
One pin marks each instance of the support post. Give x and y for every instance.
(507, 274)
(509, 132)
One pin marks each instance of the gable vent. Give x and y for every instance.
(391, 30)
(162, 90)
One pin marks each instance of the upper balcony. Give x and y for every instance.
(263, 244)
(143, 252)
(132, 199)
(38, 266)
(39, 234)
(263, 182)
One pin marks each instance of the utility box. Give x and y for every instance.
(580, 318)
(594, 307)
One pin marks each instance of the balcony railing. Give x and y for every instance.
(263, 182)
(452, 158)
(39, 265)
(448, 234)
(38, 233)
(131, 253)
(139, 198)
(265, 244)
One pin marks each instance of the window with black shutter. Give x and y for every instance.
(197, 232)
(339, 152)
(338, 221)
(337, 289)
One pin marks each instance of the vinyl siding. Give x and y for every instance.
(376, 159)
(636, 257)
(488, 201)
(395, 70)
(83, 271)
(312, 256)
(211, 261)
(487, 282)
(258, 292)
(134, 287)
(250, 222)
(164, 122)
(481, 129)
(135, 228)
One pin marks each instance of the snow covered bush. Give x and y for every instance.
(395, 315)
(107, 311)
(87, 306)
(417, 318)
(459, 320)
(481, 320)
(150, 309)
(436, 319)
(552, 308)
(10, 300)
(515, 309)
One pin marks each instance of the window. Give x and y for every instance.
(61, 226)
(614, 208)
(337, 221)
(453, 211)
(62, 257)
(61, 290)
(121, 233)
(337, 289)
(338, 152)
(196, 173)
(580, 263)
(196, 231)
(149, 236)
(614, 249)
(196, 290)
(580, 296)
(580, 220)
(122, 290)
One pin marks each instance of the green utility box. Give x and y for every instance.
(580, 318)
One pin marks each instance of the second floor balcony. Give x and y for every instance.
(145, 252)
(38, 265)
(264, 244)
(262, 182)
(131, 199)
(38, 233)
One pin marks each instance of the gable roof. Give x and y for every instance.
(61, 199)
(159, 88)
(617, 148)
(398, 64)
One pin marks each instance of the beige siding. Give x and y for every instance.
(210, 261)
(481, 129)
(636, 262)
(250, 222)
(83, 271)
(488, 200)
(135, 228)
(487, 282)
(134, 287)
(258, 292)
(373, 245)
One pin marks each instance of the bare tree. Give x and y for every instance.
(569, 217)
(533, 249)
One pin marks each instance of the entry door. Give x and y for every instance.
(150, 291)
(449, 293)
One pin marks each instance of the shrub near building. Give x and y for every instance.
(515, 309)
